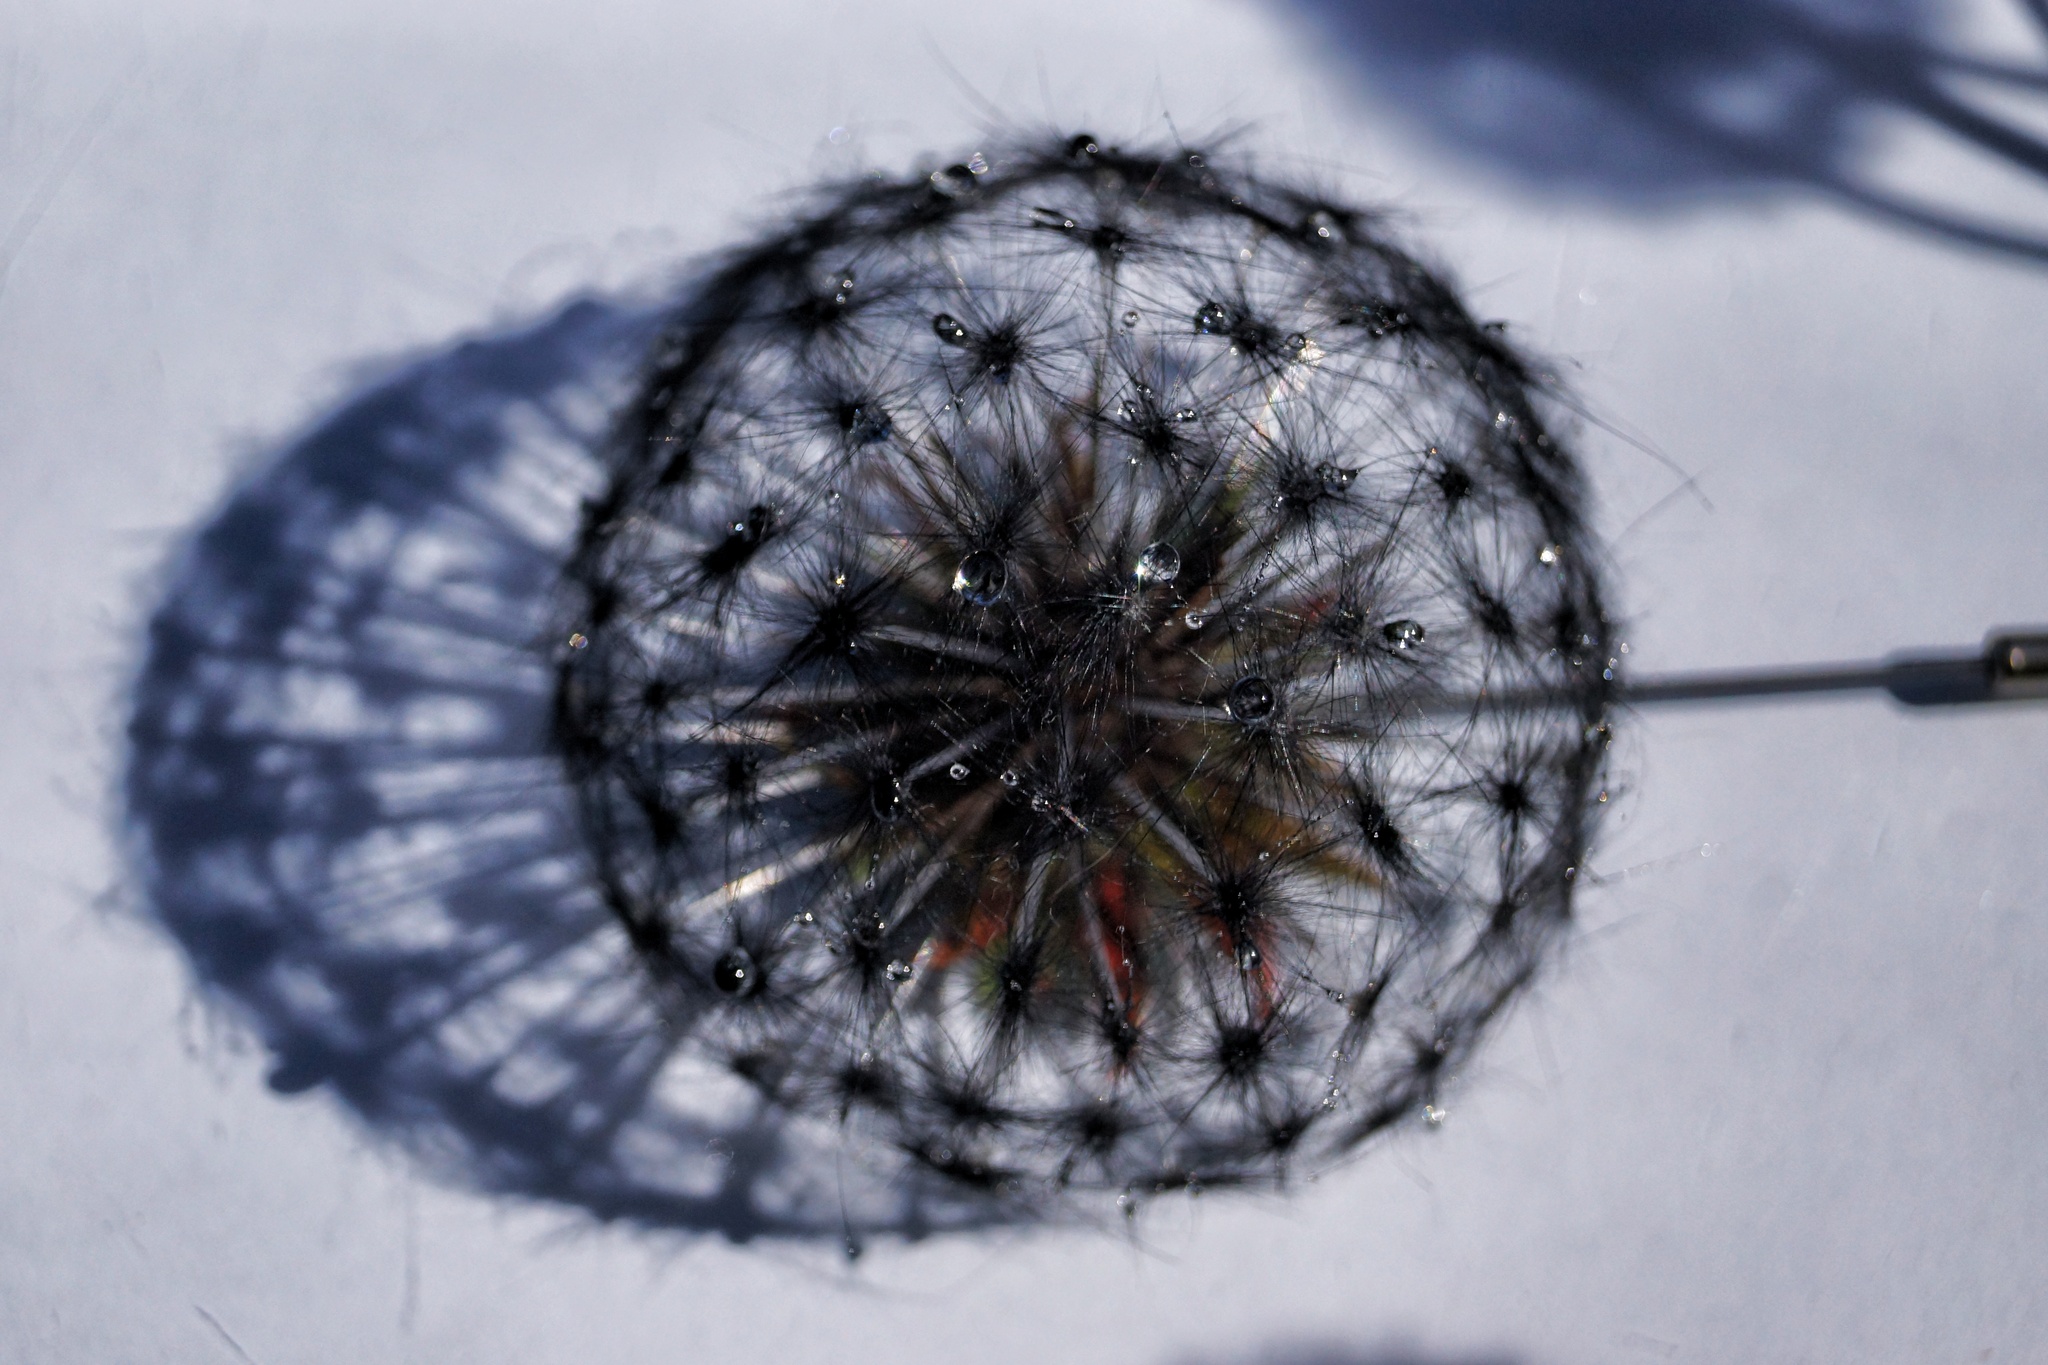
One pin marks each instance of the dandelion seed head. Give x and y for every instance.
(1028, 707)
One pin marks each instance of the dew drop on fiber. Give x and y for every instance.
(981, 577)
(1251, 699)
(735, 973)
(1404, 635)
(1159, 563)
(954, 181)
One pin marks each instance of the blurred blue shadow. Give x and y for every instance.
(347, 811)
(1330, 1353)
(1663, 99)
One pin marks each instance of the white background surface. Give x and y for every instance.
(1780, 1103)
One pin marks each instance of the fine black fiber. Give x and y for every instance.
(1012, 677)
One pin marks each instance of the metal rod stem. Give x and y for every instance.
(2012, 666)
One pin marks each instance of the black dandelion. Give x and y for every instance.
(1028, 694)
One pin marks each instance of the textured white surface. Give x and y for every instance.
(1783, 1102)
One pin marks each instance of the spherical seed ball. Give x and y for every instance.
(1037, 703)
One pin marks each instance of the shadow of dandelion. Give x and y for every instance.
(1327, 1353)
(1660, 100)
(349, 817)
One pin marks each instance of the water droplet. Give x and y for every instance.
(578, 640)
(1009, 777)
(981, 577)
(887, 798)
(1297, 342)
(1550, 554)
(1322, 226)
(1403, 635)
(1186, 415)
(837, 137)
(1159, 563)
(1248, 957)
(1250, 699)
(1132, 317)
(958, 772)
(852, 1248)
(898, 970)
(1127, 1204)
(1212, 319)
(978, 164)
(1196, 620)
(953, 181)
(949, 329)
(1054, 219)
(1083, 147)
(1040, 804)
(735, 973)
(1196, 160)
(1434, 1116)
(1335, 478)
(864, 423)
